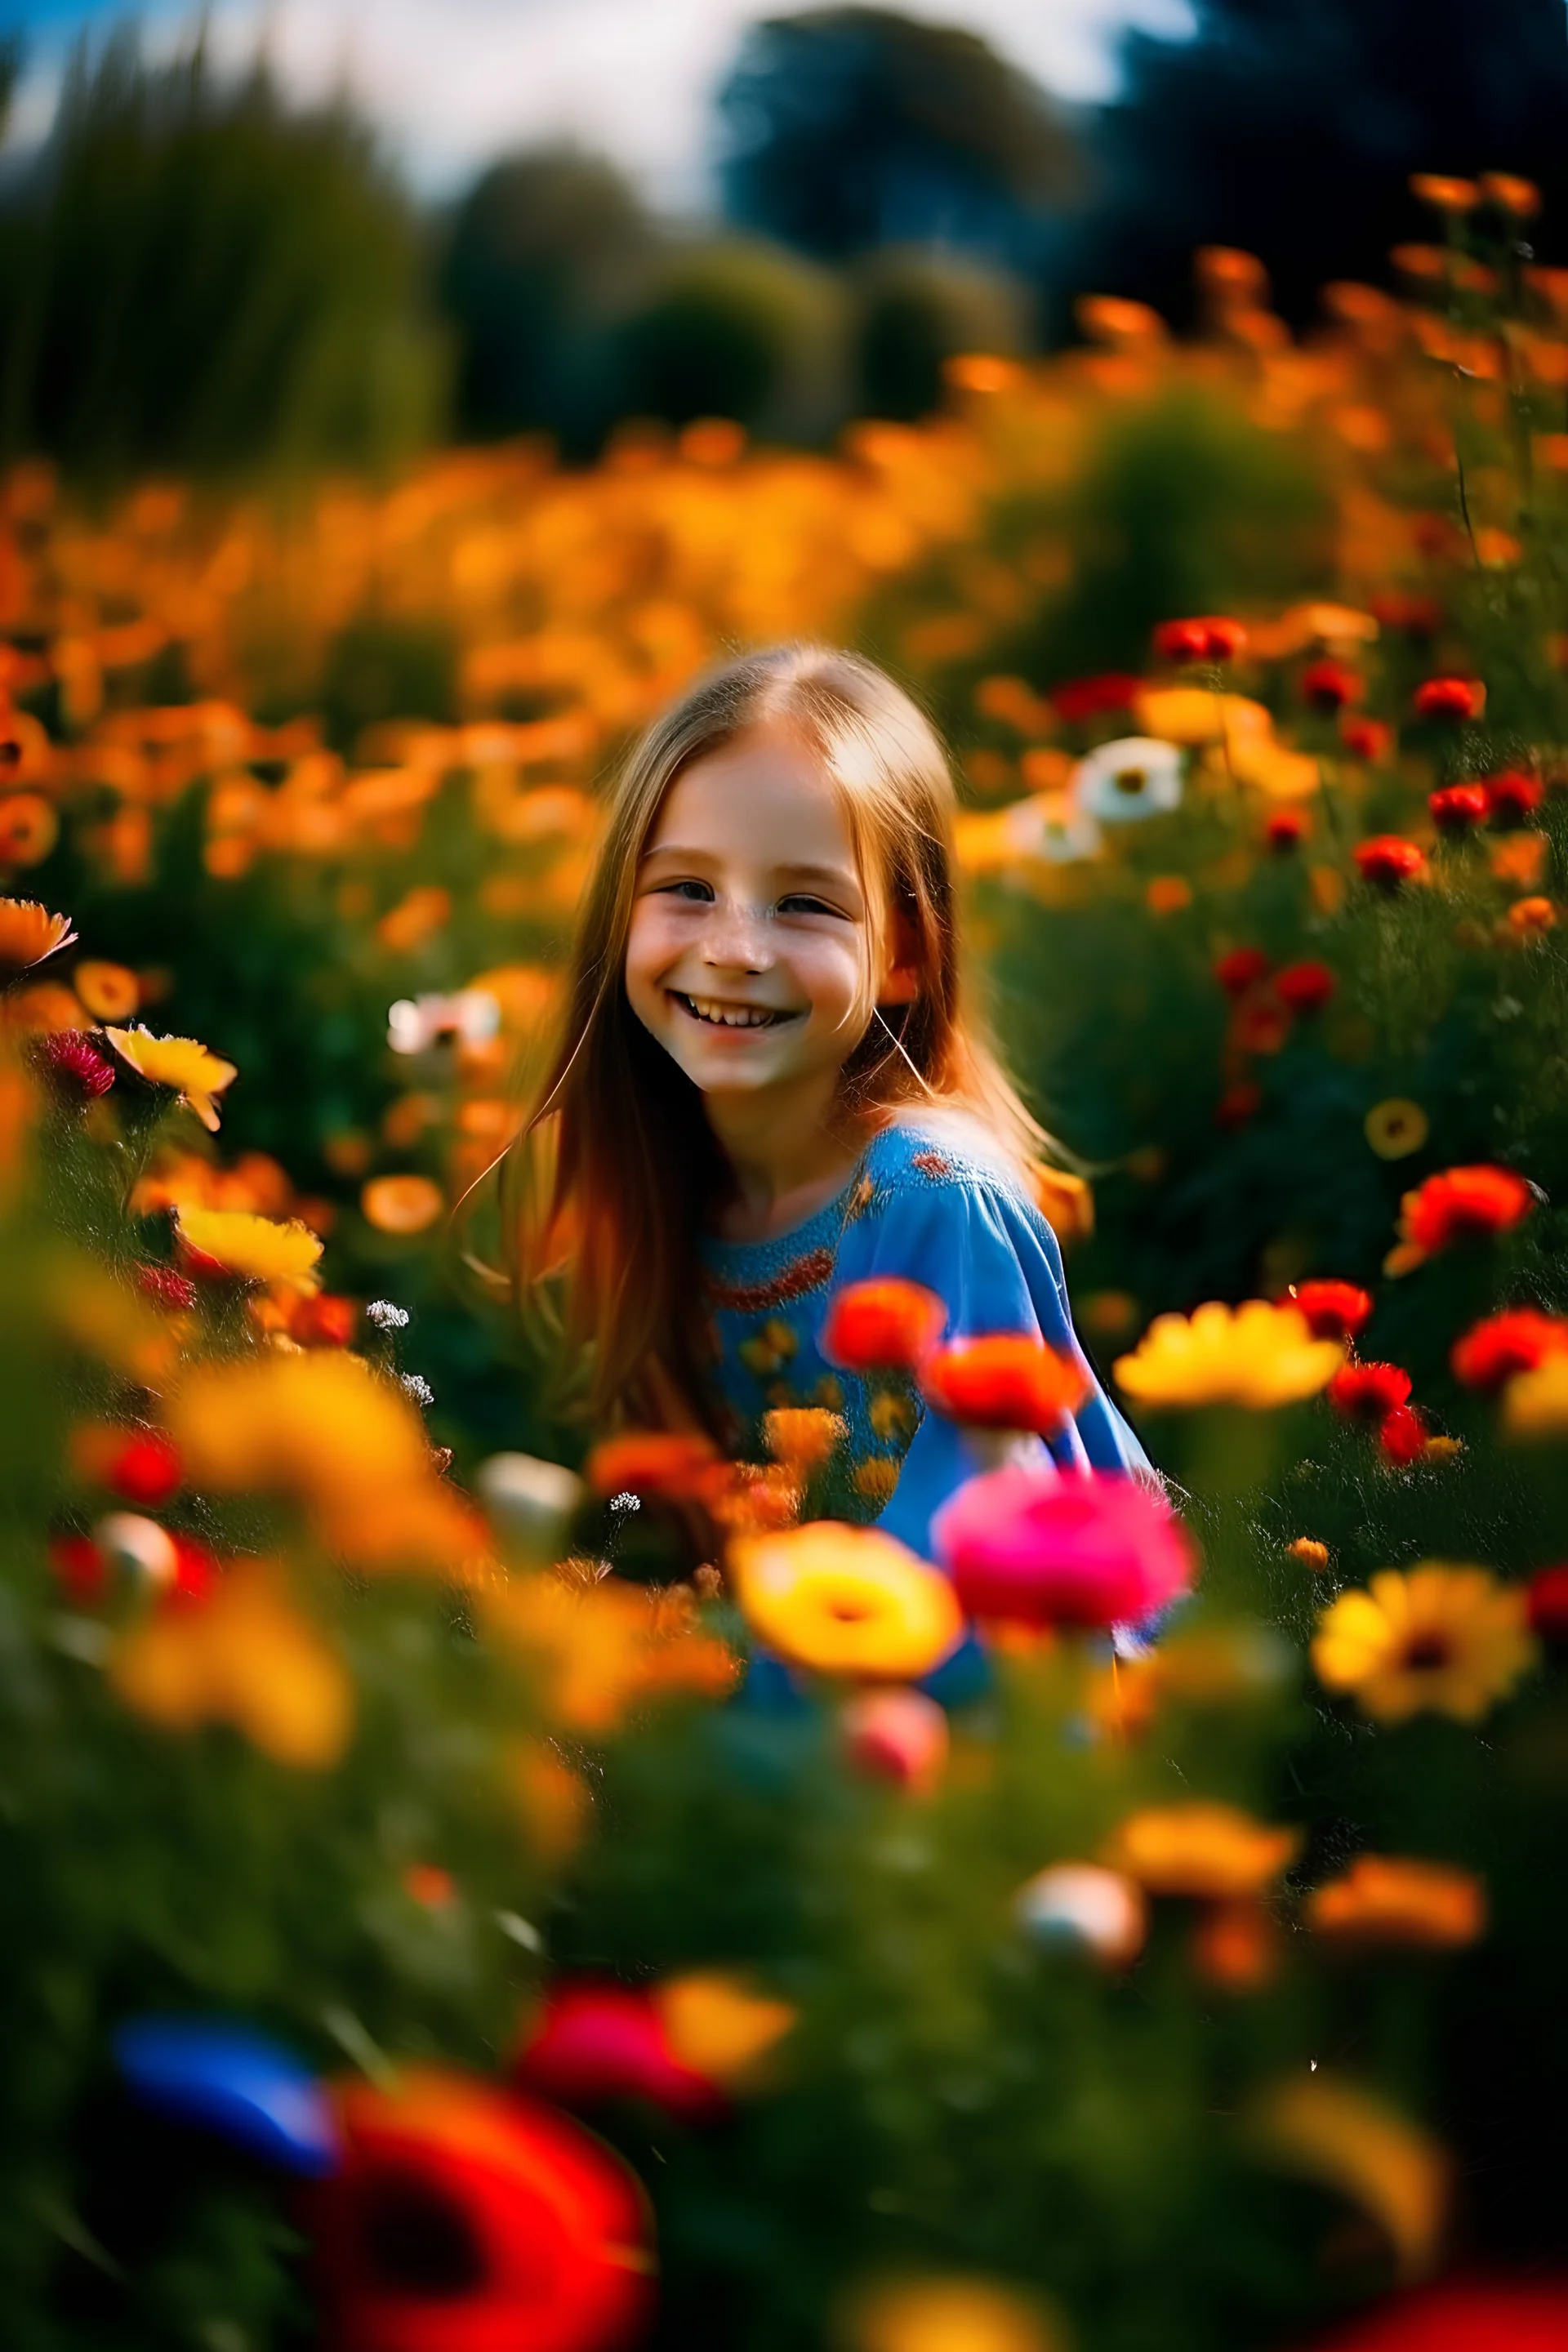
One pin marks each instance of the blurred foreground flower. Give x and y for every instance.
(601, 1648)
(881, 1326)
(1257, 1355)
(1028, 1544)
(1461, 1204)
(843, 1599)
(1214, 1852)
(1462, 2316)
(194, 1075)
(1518, 1340)
(1083, 1906)
(945, 2313)
(245, 1657)
(251, 1248)
(1003, 1380)
(1334, 1310)
(1352, 2141)
(28, 933)
(1449, 1639)
(1385, 1899)
(1137, 776)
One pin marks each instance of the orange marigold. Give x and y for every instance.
(1385, 1899)
(1005, 1380)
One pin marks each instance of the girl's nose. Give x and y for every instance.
(735, 937)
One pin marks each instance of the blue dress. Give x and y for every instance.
(927, 1201)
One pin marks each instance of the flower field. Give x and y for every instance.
(428, 1924)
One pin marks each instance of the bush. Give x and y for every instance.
(913, 310)
(743, 331)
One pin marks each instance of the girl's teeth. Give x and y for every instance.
(730, 1016)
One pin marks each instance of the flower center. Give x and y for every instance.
(1428, 1652)
(1131, 781)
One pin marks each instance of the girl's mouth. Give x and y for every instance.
(717, 1014)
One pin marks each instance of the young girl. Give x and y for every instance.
(767, 1087)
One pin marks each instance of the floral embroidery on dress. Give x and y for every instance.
(934, 1164)
(862, 1198)
(802, 1275)
(876, 1477)
(771, 1348)
(893, 1416)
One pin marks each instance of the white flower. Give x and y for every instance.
(418, 1388)
(530, 1502)
(385, 1315)
(415, 1023)
(1048, 827)
(1135, 777)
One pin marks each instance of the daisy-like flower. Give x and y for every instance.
(251, 1248)
(1516, 1341)
(1397, 1128)
(1385, 1899)
(1334, 1310)
(1258, 1355)
(1052, 827)
(196, 1077)
(842, 1600)
(1436, 1638)
(1122, 782)
(1368, 1391)
(28, 933)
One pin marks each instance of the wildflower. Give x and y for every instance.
(1336, 2133)
(1260, 1027)
(248, 1658)
(1529, 917)
(1447, 1639)
(717, 2022)
(896, 1735)
(1083, 1906)
(1449, 698)
(1516, 1341)
(1384, 1899)
(1535, 1403)
(1402, 1436)
(1510, 193)
(804, 1438)
(1048, 827)
(251, 1248)
(881, 1326)
(845, 1599)
(1518, 859)
(1284, 830)
(28, 933)
(75, 1064)
(1236, 1945)
(196, 1077)
(1024, 1543)
(941, 2312)
(415, 1385)
(1135, 777)
(383, 1316)
(1241, 970)
(1547, 1602)
(1003, 1380)
(413, 1024)
(165, 1288)
(1458, 808)
(1371, 739)
(402, 1204)
(593, 2039)
(1305, 987)
(1511, 798)
(1368, 1393)
(604, 1647)
(1461, 1204)
(1397, 1128)
(108, 991)
(663, 1466)
(530, 1501)
(465, 2213)
(1309, 1552)
(1445, 194)
(29, 829)
(1387, 860)
(1210, 639)
(1334, 1310)
(1255, 1355)
(1079, 698)
(1168, 894)
(1212, 1852)
(141, 1466)
(1330, 686)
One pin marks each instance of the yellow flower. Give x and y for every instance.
(1384, 1899)
(1273, 768)
(1535, 1403)
(195, 1076)
(256, 1249)
(1450, 1639)
(1397, 1128)
(1255, 1355)
(28, 933)
(244, 1657)
(943, 2314)
(718, 2025)
(1212, 1851)
(1192, 715)
(843, 1599)
(804, 1438)
(1335, 2132)
(601, 1646)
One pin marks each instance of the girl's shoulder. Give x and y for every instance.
(940, 1148)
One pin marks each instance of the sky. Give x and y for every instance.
(454, 81)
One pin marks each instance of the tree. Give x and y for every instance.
(1290, 127)
(849, 128)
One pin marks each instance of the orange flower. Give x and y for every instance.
(802, 1438)
(28, 933)
(1516, 1341)
(1445, 194)
(1236, 1945)
(1528, 918)
(1382, 1899)
(251, 1248)
(29, 829)
(1522, 198)
(1214, 1852)
(1461, 1204)
(886, 1326)
(402, 1204)
(600, 1648)
(1004, 1379)
(196, 1077)
(671, 1465)
(108, 991)
(247, 1657)
(1309, 1552)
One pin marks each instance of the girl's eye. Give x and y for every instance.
(697, 891)
(800, 902)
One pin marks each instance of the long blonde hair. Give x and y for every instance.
(617, 1168)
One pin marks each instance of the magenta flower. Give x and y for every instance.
(1047, 1548)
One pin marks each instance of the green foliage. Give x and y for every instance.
(740, 329)
(913, 310)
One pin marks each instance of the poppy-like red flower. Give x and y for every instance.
(1241, 970)
(1330, 686)
(1284, 830)
(325, 1320)
(1388, 859)
(1464, 2316)
(1458, 808)
(1371, 739)
(1464, 1204)
(80, 1567)
(597, 2040)
(1511, 798)
(1211, 638)
(1260, 1025)
(1449, 698)
(1026, 1544)
(1547, 1604)
(1078, 699)
(666, 1464)
(1402, 1435)
(1305, 987)
(1334, 1310)
(1516, 1341)
(145, 1470)
(75, 1064)
(196, 1572)
(1238, 1104)
(466, 2219)
(881, 1326)
(1003, 1380)
(1368, 1391)
(165, 1288)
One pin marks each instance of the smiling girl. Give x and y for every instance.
(767, 1087)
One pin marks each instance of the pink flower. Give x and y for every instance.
(1033, 1544)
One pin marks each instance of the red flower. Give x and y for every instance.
(1334, 1310)
(1464, 1204)
(1402, 1437)
(1238, 1104)
(882, 1325)
(668, 1464)
(1548, 1602)
(1284, 830)
(146, 1470)
(1328, 685)
(1005, 1380)
(1260, 1027)
(1463, 2317)
(195, 1571)
(1511, 798)
(1088, 697)
(1388, 859)
(162, 1284)
(466, 2219)
(595, 2040)
(1368, 1391)
(75, 1064)
(1450, 697)
(1418, 616)
(1492, 1350)
(1366, 739)
(324, 1321)
(1209, 638)
(1305, 987)
(1242, 968)
(1456, 807)
(80, 1567)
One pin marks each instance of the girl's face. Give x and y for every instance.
(754, 956)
